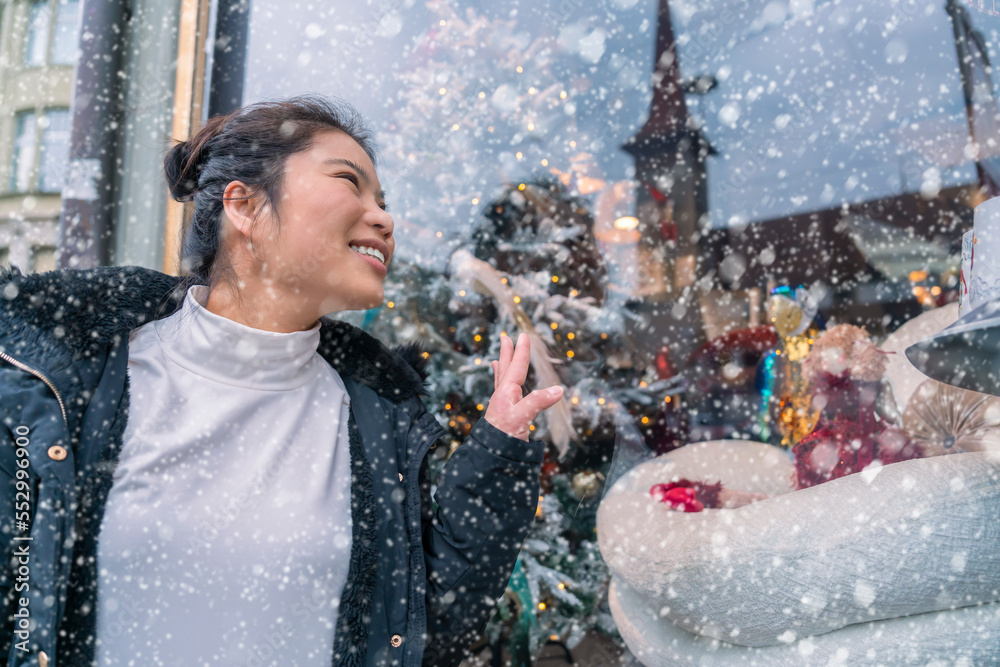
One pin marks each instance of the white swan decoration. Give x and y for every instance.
(894, 565)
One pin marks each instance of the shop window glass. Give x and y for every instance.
(677, 201)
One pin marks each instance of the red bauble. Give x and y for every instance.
(677, 497)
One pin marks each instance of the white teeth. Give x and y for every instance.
(365, 250)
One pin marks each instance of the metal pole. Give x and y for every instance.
(85, 224)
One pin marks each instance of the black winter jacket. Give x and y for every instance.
(421, 583)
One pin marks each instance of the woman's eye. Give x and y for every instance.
(351, 177)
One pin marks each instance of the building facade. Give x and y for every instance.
(38, 46)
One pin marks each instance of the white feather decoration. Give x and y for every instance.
(486, 280)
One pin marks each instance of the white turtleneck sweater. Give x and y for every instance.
(227, 533)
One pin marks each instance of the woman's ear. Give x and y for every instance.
(240, 206)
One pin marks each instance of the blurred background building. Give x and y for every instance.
(38, 42)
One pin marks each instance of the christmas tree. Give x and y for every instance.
(484, 106)
(532, 265)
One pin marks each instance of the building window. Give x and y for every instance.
(41, 144)
(64, 41)
(54, 150)
(51, 42)
(43, 258)
(37, 43)
(23, 165)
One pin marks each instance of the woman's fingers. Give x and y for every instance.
(532, 405)
(515, 419)
(506, 352)
(517, 371)
(495, 365)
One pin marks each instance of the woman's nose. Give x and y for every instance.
(383, 222)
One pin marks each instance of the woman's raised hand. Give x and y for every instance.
(508, 410)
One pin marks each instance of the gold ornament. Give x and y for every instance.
(786, 315)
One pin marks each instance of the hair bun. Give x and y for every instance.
(182, 166)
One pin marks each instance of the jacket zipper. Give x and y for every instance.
(28, 369)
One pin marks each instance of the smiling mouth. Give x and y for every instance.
(370, 252)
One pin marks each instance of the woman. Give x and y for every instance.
(205, 470)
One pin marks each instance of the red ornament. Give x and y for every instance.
(664, 370)
(677, 497)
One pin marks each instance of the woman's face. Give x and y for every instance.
(333, 227)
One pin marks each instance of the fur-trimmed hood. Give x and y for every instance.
(53, 320)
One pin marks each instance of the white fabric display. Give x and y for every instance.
(984, 264)
(902, 377)
(966, 637)
(227, 534)
(908, 538)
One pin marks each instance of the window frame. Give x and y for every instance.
(33, 185)
(40, 140)
(51, 26)
(18, 151)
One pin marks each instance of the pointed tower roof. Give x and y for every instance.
(669, 120)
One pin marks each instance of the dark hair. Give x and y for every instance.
(252, 145)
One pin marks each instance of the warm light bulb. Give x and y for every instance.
(626, 222)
